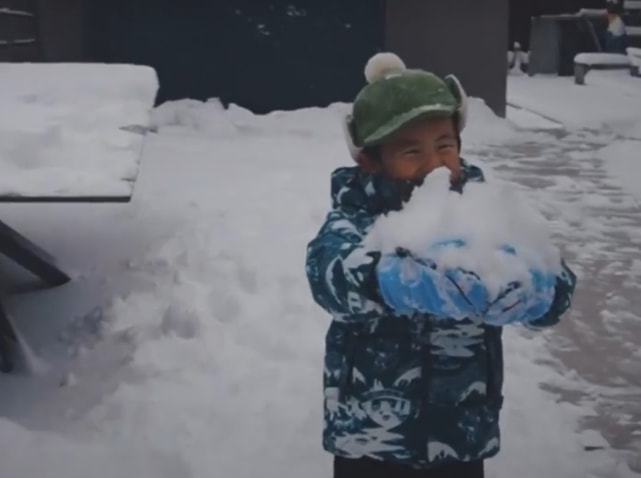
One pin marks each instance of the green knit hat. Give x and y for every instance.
(396, 96)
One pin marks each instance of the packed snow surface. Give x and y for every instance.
(61, 128)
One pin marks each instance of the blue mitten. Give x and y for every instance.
(517, 303)
(409, 285)
(467, 292)
(464, 288)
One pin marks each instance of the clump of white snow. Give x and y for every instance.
(489, 217)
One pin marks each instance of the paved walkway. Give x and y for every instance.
(598, 227)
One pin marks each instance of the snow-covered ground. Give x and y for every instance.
(188, 343)
(61, 128)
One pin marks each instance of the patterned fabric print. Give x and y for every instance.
(415, 391)
(463, 390)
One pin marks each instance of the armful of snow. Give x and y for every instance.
(342, 276)
(564, 289)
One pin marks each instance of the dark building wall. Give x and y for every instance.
(262, 55)
(467, 38)
(62, 30)
(19, 31)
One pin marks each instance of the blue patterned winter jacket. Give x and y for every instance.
(416, 391)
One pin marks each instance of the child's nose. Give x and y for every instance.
(431, 162)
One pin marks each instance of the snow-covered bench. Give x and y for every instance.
(68, 133)
(584, 62)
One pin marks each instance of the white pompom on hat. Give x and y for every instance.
(382, 65)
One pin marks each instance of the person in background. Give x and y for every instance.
(616, 39)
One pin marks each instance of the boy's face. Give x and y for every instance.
(418, 149)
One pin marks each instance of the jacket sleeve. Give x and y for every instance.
(342, 272)
(564, 289)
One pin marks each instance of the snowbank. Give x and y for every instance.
(63, 132)
(213, 118)
(485, 128)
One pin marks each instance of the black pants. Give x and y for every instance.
(369, 468)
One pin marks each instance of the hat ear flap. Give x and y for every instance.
(457, 90)
(348, 130)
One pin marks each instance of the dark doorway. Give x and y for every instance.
(262, 55)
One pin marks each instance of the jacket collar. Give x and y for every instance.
(355, 190)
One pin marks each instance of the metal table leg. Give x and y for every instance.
(31, 257)
(8, 343)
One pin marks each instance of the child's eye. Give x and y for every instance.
(445, 146)
(411, 152)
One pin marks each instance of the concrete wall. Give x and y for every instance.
(464, 37)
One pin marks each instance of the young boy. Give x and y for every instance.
(406, 395)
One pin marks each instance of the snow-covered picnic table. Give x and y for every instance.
(68, 133)
(72, 131)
